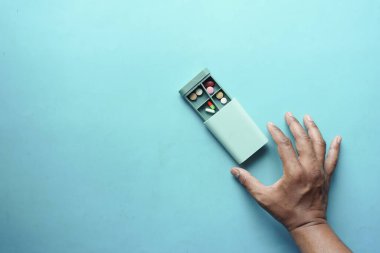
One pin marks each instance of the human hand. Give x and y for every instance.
(299, 198)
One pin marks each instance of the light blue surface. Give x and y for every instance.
(99, 153)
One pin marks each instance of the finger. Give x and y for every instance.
(316, 137)
(250, 183)
(332, 155)
(285, 148)
(303, 141)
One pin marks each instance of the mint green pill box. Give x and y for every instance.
(225, 118)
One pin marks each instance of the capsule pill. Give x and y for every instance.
(210, 110)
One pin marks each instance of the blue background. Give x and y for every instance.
(99, 153)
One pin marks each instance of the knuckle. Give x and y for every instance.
(316, 175)
(285, 141)
(320, 142)
(297, 176)
(305, 137)
(316, 172)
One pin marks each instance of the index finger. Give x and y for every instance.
(284, 145)
(316, 137)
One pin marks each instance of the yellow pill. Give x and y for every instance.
(219, 95)
(193, 96)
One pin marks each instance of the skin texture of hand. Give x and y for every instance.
(298, 199)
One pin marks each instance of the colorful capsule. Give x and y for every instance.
(211, 105)
(210, 110)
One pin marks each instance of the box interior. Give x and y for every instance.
(201, 102)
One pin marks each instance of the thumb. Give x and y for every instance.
(250, 183)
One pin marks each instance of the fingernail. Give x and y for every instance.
(338, 139)
(235, 172)
(289, 114)
(308, 117)
(270, 125)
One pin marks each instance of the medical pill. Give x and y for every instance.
(223, 100)
(212, 106)
(209, 84)
(210, 110)
(210, 90)
(199, 92)
(219, 95)
(193, 96)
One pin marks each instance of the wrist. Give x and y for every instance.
(308, 226)
(318, 237)
(299, 220)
